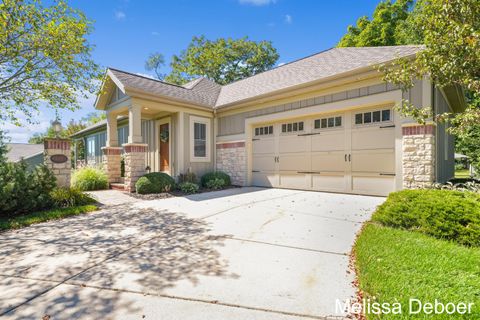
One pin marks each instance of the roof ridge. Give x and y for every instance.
(147, 78)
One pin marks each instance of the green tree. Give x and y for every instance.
(3, 148)
(386, 28)
(44, 56)
(154, 63)
(222, 60)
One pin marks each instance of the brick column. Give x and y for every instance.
(111, 159)
(134, 163)
(418, 155)
(57, 158)
(231, 159)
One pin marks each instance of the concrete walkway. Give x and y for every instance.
(245, 253)
(112, 197)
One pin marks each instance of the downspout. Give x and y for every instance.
(434, 111)
(214, 140)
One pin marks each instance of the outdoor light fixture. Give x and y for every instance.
(57, 127)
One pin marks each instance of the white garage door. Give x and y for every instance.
(346, 152)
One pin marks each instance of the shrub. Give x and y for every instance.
(215, 175)
(89, 178)
(443, 214)
(216, 184)
(187, 177)
(188, 187)
(155, 182)
(69, 197)
(464, 185)
(23, 190)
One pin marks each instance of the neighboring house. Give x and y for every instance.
(325, 122)
(32, 154)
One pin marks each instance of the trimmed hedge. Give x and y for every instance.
(443, 214)
(154, 182)
(89, 178)
(217, 175)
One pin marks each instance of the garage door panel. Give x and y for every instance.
(334, 141)
(263, 146)
(264, 179)
(375, 185)
(294, 162)
(373, 138)
(379, 161)
(294, 181)
(263, 163)
(329, 182)
(328, 161)
(292, 143)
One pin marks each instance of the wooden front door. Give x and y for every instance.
(164, 147)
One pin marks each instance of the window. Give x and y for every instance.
(262, 131)
(292, 127)
(330, 122)
(200, 139)
(91, 147)
(373, 116)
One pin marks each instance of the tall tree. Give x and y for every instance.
(154, 63)
(222, 60)
(44, 56)
(386, 28)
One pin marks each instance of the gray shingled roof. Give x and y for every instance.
(202, 91)
(17, 151)
(313, 68)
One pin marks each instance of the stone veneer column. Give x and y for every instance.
(418, 155)
(231, 159)
(56, 150)
(111, 163)
(134, 163)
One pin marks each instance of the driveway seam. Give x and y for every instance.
(173, 297)
(289, 247)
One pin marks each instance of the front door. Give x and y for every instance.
(164, 147)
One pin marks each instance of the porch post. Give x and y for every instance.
(134, 150)
(112, 133)
(111, 153)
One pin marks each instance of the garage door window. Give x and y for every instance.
(292, 127)
(330, 122)
(376, 116)
(263, 131)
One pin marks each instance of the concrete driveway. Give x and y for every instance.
(246, 253)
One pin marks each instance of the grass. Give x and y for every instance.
(7, 223)
(462, 173)
(395, 265)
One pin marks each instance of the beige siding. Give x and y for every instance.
(199, 168)
(149, 137)
(235, 124)
(444, 141)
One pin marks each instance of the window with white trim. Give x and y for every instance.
(292, 127)
(376, 116)
(328, 122)
(263, 131)
(199, 139)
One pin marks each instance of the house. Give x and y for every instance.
(32, 154)
(325, 122)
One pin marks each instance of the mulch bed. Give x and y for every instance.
(171, 194)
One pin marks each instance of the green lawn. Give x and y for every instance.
(463, 173)
(395, 265)
(41, 216)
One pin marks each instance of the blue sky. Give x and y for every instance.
(127, 31)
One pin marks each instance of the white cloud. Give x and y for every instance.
(21, 134)
(120, 15)
(257, 2)
(288, 19)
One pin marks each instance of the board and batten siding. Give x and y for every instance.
(445, 143)
(235, 123)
